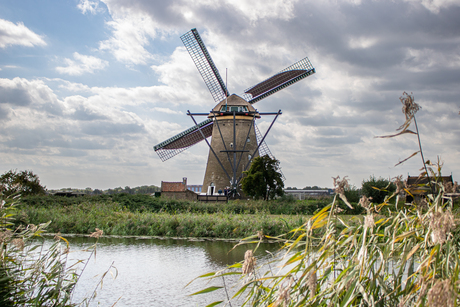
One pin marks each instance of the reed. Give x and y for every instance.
(392, 257)
(117, 220)
(146, 203)
(30, 274)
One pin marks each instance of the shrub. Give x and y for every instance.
(378, 189)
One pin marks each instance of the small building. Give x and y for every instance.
(177, 190)
(419, 186)
(195, 188)
(305, 194)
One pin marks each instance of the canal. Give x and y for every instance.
(154, 272)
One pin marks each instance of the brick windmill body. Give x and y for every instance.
(233, 140)
(236, 140)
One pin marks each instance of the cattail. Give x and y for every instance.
(260, 235)
(340, 185)
(441, 224)
(19, 243)
(4, 235)
(369, 221)
(312, 283)
(365, 202)
(399, 184)
(441, 294)
(249, 262)
(284, 294)
(97, 234)
(338, 210)
(409, 106)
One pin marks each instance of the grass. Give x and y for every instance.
(114, 219)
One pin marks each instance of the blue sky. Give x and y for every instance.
(87, 87)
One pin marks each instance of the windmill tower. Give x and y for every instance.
(236, 140)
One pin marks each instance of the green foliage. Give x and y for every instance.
(263, 179)
(23, 182)
(116, 220)
(30, 274)
(378, 189)
(353, 194)
(409, 258)
(145, 203)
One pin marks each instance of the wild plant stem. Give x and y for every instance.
(421, 154)
(226, 292)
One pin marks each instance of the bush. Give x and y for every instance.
(377, 189)
(24, 182)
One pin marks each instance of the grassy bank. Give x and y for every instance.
(115, 219)
(146, 203)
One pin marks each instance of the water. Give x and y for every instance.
(154, 272)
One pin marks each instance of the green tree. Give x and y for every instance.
(377, 189)
(263, 179)
(24, 182)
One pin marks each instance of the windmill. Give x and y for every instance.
(235, 140)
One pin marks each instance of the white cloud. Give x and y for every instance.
(362, 42)
(261, 9)
(436, 5)
(165, 110)
(17, 34)
(82, 64)
(88, 6)
(131, 34)
(74, 87)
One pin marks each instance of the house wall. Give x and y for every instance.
(182, 195)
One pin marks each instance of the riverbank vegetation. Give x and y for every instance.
(32, 274)
(138, 215)
(407, 257)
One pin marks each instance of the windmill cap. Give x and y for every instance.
(233, 101)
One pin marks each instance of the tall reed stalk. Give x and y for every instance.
(30, 274)
(408, 257)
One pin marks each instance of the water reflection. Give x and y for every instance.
(153, 272)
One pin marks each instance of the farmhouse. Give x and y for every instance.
(177, 190)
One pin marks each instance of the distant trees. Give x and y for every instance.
(263, 179)
(23, 182)
(315, 187)
(377, 189)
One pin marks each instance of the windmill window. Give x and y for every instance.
(234, 109)
(248, 140)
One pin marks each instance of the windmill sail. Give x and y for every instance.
(263, 148)
(205, 65)
(283, 79)
(180, 142)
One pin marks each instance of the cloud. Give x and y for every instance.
(86, 6)
(22, 92)
(17, 34)
(82, 64)
(131, 33)
(436, 5)
(165, 110)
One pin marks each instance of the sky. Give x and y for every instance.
(88, 87)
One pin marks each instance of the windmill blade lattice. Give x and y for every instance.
(200, 56)
(283, 79)
(263, 148)
(182, 141)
